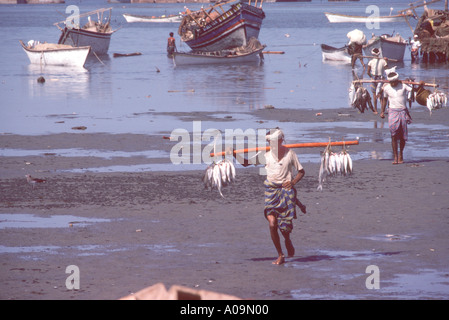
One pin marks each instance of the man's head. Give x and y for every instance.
(275, 138)
(393, 78)
(375, 52)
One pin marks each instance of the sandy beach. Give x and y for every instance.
(131, 230)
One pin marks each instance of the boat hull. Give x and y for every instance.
(98, 41)
(74, 56)
(130, 18)
(232, 29)
(182, 58)
(388, 49)
(342, 18)
(335, 54)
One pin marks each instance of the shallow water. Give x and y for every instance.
(24, 220)
(129, 95)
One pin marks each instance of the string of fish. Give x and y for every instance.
(436, 100)
(333, 163)
(359, 98)
(218, 175)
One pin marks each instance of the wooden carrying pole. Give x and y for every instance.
(294, 145)
(374, 57)
(403, 81)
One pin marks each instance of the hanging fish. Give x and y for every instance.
(352, 91)
(321, 175)
(218, 175)
(436, 100)
(332, 164)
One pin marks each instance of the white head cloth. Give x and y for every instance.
(275, 135)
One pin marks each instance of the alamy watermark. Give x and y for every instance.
(190, 148)
(73, 280)
(72, 21)
(373, 280)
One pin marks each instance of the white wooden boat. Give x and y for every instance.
(130, 18)
(389, 47)
(218, 57)
(335, 54)
(56, 54)
(341, 18)
(96, 34)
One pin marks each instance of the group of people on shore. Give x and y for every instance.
(281, 162)
(394, 93)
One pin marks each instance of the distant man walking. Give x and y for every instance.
(396, 93)
(376, 69)
(171, 44)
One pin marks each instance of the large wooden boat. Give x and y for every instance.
(213, 30)
(96, 34)
(389, 47)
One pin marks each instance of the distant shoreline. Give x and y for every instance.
(110, 1)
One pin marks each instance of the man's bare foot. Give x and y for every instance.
(279, 260)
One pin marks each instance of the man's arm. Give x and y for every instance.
(296, 179)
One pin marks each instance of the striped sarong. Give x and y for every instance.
(281, 203)
(397, 122)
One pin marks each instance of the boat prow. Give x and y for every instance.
(330, 53)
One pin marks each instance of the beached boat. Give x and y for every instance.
(96, 34)
(249, 53)
(211, 30)
(55, 54)
(389, 47)
(130, 18)
(341, 18)
(335, 54)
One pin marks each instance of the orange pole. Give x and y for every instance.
(294, 145)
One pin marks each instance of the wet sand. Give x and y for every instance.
(164, 227)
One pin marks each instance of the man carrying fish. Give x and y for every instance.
(396, 93)
(280, 193)
(376, 69)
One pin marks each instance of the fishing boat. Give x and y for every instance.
(249, 53)
(130, 18)
(340, 18)
(390, 47)
(96, 34)
(55, 54)
(335, 54)
(213, 30)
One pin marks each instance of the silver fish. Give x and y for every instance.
(217, 179)
(349, 163)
